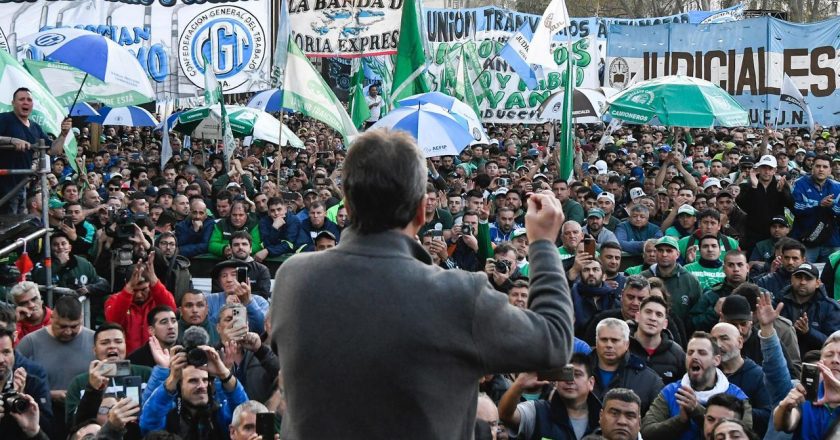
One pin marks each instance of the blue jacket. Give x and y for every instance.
(632, 239)
(669, 393)
(191, 243)
(776, 379)
(256, 310)
(307, 234)
(823, 317)
(815, 420)
(775, 282)
(807, 209)
(750, 379)
(496, 234)
(280, 241)
(161, 402)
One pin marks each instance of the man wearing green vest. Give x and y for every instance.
(708, 223)
(830, 275)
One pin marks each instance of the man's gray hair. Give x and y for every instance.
(25, 286)
(638, 207)
(613, 323)
(251, 406)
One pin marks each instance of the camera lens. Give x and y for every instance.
(197, 357)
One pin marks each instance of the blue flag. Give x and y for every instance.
(514, 53)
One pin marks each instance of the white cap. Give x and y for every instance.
(636, 192)
(800, 150)
(500, 192)
(766, 161)
(710, 182)
(608, 196)
(602, 166)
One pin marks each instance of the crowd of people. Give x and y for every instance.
(700, 266)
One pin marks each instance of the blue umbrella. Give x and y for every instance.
(438, 133)
(269, 101)
(95, 55)
(131, 116)
(83, 109)
(462, 112)
(170, 120)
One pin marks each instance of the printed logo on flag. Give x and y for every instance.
(643, 97)
(619, 73)
(232, 39)
(4, 43)
(47, 40)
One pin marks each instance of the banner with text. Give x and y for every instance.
(503, 98)
(748, 59)
(337, 28)
(167, 36)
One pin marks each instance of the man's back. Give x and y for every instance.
(63, 361)
(376, 344)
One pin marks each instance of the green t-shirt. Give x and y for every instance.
(726, 243)
(708, 276)
(442, 217)
(634, 270)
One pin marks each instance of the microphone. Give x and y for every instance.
(193, 338)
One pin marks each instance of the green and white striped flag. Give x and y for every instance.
(464, 84)
(410, 71)
(306, 92)
(212, 88)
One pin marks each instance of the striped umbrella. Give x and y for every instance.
(268, 101)
(205, 122)
(83, 109)
(131, 116)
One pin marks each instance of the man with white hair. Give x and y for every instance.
(243, 425)
(31, 312)
(615, 367)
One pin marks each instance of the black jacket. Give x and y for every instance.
(632, 374)
(761, 205)
(668, 360)
(676, 328)
(552, 419)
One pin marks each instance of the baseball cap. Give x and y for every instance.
(324, 234)
(767, 161)
(800, 150)
(54, 203)
(736, 308)
(687, 209)
(540, 176)
(500, 192)
(779, 221)
(607, 195)
(637, 192)
(166, 191)
(665, 148)
(710, 182)
(151, 191)
(217, 269)
(233, 185)
(518, 232)
(601, 165)
(662, 190)
(808, 269)
(309, 191)
(668, 241)
(595, 212)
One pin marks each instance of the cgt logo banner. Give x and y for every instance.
(344, 29)
(748, 59)
(502, 96)
(166, 36)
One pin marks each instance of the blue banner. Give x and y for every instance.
(747, 58)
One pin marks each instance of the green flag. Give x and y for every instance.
(64, 81)
(306, 92)
(410, 71)
(46, 111)
(212, 88)
(464, 84)
(359, 110)
(566, 156)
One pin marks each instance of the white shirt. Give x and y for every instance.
(376, 110)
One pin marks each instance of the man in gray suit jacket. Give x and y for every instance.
(376, 342)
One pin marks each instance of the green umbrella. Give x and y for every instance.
(205, 123)
(678, 101)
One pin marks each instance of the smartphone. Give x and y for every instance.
(68, 221)
(132, 384)
(241, 274)
(810, 379)
(565, 374)
(589, 246)
(504, 182)
(240, 318)
(265, 426)
(290, 196)
(436, 234)
(115, 368)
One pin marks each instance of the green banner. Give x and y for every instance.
(63, 82)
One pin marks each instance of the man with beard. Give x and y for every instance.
(280, 229)
(187, 403)
(706, 312)
(238, 221)
(653, 343)
(633, 232)
(258, 276)
(194, 312)
(621, 417)
(15, 378)
(610, 260)
(163, 325)
(595, 227)
(571, 413)
(813, 313)
(109, 346)
(193, 233)
(590, 295)
(789, 255)
(744, 373)
(680, 406)
(504, 226)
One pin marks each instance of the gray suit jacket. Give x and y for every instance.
(376, 342)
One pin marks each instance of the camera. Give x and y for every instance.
(501, 266)
(14, 402)
(196, 357)
(466, 229)
(125, 221)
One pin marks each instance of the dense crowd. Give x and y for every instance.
(701, 265)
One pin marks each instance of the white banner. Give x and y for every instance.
(168, 37)
(333, 28)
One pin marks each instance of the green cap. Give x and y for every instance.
(595, 212)
(668, 241)
(518, 232)
(55, 203)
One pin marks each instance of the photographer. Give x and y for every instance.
(253, 363)
(465, 237)
(25, 399)
(502, 270)
(187, 405)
